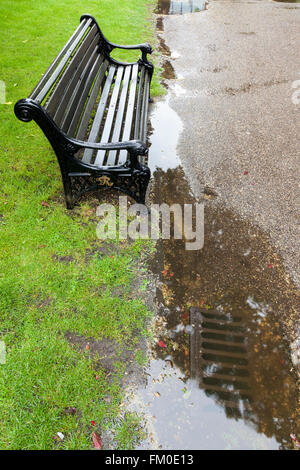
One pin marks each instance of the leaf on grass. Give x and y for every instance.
(87, 346)
(97, 441)
(45, 204)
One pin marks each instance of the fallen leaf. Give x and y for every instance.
(165, 272)
(87, 346)
(246, 172)
(97, 441)
(45, 204)
(161, 344)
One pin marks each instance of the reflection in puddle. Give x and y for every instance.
(169, 7)
(220, 378)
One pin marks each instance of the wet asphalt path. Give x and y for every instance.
(236, 65)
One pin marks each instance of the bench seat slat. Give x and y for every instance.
(83, 97)
(93, 137)
(129, 112)
(77, 93)
(55, 62)
(120, 114)
(55, 97)
(82, 129)
(39, 98)
(64, 103)
(139, 105)
(144, 115)
(110, 116)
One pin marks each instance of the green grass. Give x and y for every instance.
(43, 298)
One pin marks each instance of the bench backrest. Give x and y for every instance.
(76, 74)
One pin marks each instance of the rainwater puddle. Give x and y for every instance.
(221, 378)
(169, 7)
(219, 375)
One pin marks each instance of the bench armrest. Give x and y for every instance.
(145, 47)
(134, 147)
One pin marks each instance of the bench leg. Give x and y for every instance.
(142, 181)
(68, 191)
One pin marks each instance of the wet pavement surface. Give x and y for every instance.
(236, 88)
(220, 374)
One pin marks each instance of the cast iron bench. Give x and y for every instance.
(93, 109)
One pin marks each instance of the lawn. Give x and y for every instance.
(66, 298)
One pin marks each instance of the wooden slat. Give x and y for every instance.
(77, 91)
(64, 103)
(138, 113)
(120, 114)
(41, 95)
(56, 61)
(88, 153)
(70, 70)
(110, 117)
(129, 111)
(144, 117)
(83, 96)
(82, 129)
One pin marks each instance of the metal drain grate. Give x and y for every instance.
(218, 355)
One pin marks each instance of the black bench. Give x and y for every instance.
(93, 109)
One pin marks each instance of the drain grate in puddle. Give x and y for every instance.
(169, 7)
(218, 355)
